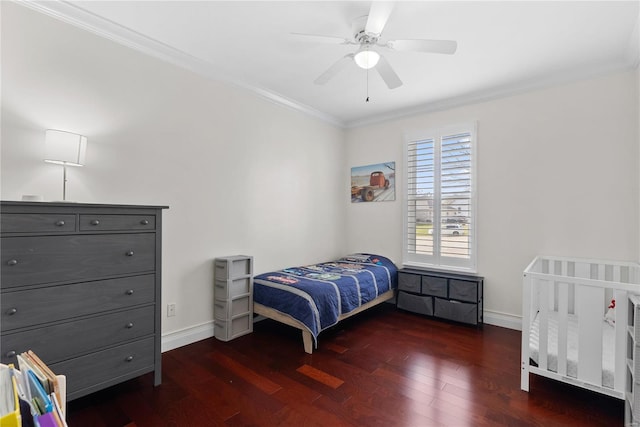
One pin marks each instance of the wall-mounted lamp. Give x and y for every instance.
(66, 149)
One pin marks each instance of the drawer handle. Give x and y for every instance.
(12, 311)
(59, 223)
(12, 262)
(129, 253)
(129, 325)
(128, 359)
(11, 353)
(144, 222)
(129, 292)
(95, 222)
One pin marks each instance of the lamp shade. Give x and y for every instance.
(65, 148)
(367, 58)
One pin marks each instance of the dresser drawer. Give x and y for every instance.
(37, 223)
(436, 286)
(61, 341)
(98, 370)
(117, 222)
(463, 290)
(409, 282)
(46, 259)
(32, 307)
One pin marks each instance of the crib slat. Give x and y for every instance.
(543, 286)
(589, 302)
(527, 311)
(563, 322)
(622, 311)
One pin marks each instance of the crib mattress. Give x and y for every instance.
(608, 346)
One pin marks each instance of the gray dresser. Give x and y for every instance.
(80, 286)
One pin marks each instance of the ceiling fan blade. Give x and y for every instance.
(388, 75)
(334, 69)
(432, 46)
(378, 16)
(319, 38)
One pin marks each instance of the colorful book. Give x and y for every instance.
(38, 395)
(47, 420)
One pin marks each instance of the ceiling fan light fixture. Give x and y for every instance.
(367, 58)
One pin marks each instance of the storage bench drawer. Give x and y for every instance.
(47, 259)
(454, 310)
(463, 290)
(415, 303)
(409, 282)
(436, 286)
(98, 370)
(32, 307)
(61, 341)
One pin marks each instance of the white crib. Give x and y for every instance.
(563, 328)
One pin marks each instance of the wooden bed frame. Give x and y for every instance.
(307, 339)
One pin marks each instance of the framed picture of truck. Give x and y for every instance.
(373, 183)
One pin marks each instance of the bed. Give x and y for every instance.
(572, 329)
(315, 297)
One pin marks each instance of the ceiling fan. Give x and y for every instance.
(367, 34)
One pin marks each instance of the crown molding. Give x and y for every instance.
(102, 27)
(494, 93)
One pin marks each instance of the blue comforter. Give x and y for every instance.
(317, 295)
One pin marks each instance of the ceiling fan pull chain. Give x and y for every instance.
(367, 100)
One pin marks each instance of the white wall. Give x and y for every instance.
(557, 175)
(240, 174)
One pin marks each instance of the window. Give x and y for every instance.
(439, 198)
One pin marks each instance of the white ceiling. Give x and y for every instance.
(503, 47)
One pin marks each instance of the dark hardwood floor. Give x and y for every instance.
(381, 368)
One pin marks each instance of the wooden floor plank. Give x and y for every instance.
(261, 382)
(383, 367)
(320, 376)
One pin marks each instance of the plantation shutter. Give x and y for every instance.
(439, 200)
(420, 194)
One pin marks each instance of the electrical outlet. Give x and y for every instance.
(171, 309)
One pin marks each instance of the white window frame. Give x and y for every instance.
(437, 261)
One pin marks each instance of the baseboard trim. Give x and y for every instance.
(186, 336)
(182, 337)
(503, 320)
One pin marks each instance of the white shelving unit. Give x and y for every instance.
(632, 395)
(233, 297)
